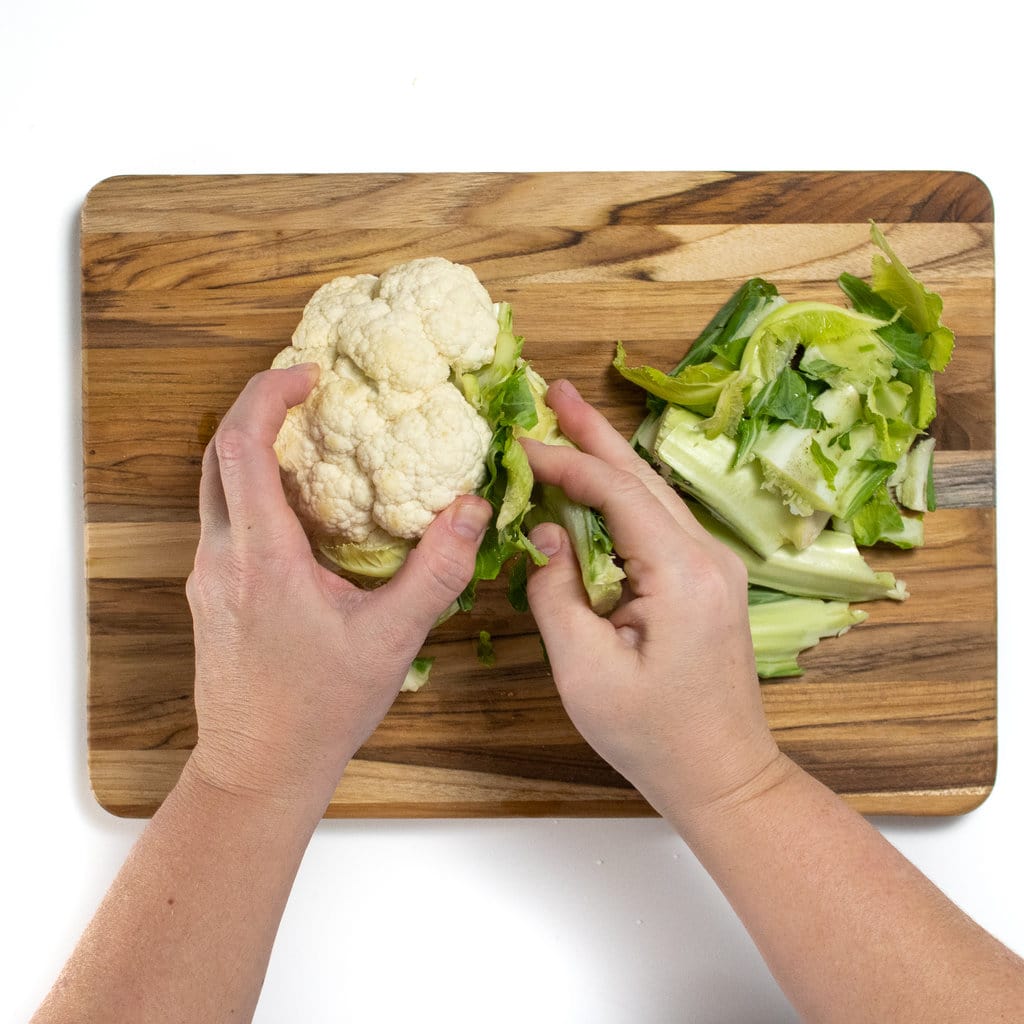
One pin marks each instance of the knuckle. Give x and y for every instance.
(201, 588)
(259, 382)
(445, 572)
(193, 588)
(700, 565)
(719, 576)
(646, 473)
(630, 486)
(210, 455)
(734, 567)
(232, 444)
(227, 580)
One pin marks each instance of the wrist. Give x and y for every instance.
(696, 795)
(748, 798)
(233, 782)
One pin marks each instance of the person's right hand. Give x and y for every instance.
(665, 688)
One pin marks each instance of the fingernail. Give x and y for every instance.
(569, 391)
(311, 370)
(547, 538)
(471, 518)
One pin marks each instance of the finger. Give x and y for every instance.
(584, 425)
(249, 473)
(639, 524)
(213, 509)
(437, 569)
(559, 602)
(581, 422)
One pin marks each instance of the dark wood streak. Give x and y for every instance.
(818, 197)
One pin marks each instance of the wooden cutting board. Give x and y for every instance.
(192, 284)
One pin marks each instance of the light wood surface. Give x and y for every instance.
(191, 284)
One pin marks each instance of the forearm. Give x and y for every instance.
(186, 929)
(850, 929)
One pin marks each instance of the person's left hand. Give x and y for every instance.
(295, 667)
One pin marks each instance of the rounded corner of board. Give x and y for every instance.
(976, 186)
(107, 803)
(975, 801)
(98, 190)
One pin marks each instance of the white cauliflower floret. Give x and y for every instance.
(455, 311)
(407, 328)
(428, 457)
(384, 441)
(340, 497)
(328, 306)
(391, 347)
(324, 357)
(342, 414)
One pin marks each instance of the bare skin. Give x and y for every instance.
(850, 929)
(295, 668)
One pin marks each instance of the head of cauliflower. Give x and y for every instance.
(385, 441)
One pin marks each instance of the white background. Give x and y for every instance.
(589, 921)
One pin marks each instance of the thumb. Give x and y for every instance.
(559, 600)
(439, 567)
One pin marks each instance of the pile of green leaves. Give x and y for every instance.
(792, 422)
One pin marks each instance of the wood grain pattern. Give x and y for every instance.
(191, 284)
